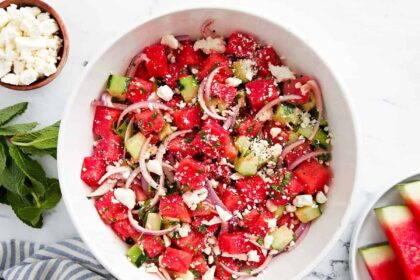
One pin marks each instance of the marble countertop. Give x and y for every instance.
(374, 46)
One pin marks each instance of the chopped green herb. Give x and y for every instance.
(260, 240)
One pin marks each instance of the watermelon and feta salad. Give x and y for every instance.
(210, 156)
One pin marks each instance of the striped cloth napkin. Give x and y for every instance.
(65, 260)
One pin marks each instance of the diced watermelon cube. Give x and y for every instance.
(280, 138)
(181, 147)
(223, 91)
(125, 231)
(313, 174)
(411, 195)
(187, 56)
(241, 45)
(213, 61)
(381, 262)
(153, 245)
(139, 90)
(249, 127)
(296, 87)
(232, 200)
(142, 73)
(221, 273)
(403, 234)
(175, 71)
(177, 260)
(93, 169)
(297, 153)
(173, 206)
(104, 120)
(256, 221)
(192, 243)
(203, 209)
(110, 149)
(260, 92)
(191, 173)
(187, 118)
(157, 64)
(220, 173)
(199, 264)
(197, 223)
(109, 209)
(234, 243)
(150, 121)
(263, 58)
(253, 189)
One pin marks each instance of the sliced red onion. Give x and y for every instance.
(182, 38)
(214, 198)
(168, 167)
(306, 157)
(145, 231)
(224, 228)
(319, 106)
(134, 64)
(230, 122)
(142, 165)
(104, 188)
(252, 272)
(288, 149)
(205, 29)
(132, 177)
(114, 171)
(144, 185)
(203, 104)
(274, 102)
(105, 100)
(301, 232)
(143, 105)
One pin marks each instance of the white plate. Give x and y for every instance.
(368, 231)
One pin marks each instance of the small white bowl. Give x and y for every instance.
(75, 141)
(368, 230)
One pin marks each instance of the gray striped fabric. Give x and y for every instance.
(65, 260)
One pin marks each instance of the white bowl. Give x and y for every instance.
(75, 141)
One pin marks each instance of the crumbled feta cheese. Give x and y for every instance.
(290, 208)
(5, 67)
(209, 275)
(268, 240)
(233, 81)
(166, 241)
(210, 45)
(213, 221)
(126, 197)
(154, 166)
(28, 76)
(281, 73)
(165, 92)
(266, 115)
(170, 41)
(276, 150)
(207, 250)
(261, 149)
(4, 17)
(253, 256)
(271, 223)
(211, 259)
(224, 215)
(151, 268)
(236, 176)
(303, 200)
(216, 250)
(10, 78)
(306, 119)
(214, 183)
(275, 131)
(184, 230)
(192, 199)
(270, 206)
(320, 198)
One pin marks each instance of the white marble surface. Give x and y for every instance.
(373, 45)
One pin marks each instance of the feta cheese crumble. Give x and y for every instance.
(126, 197)
(165, 93)
(192, 199)
(233, 81)
(170, 41)
(303, 200)
(281, 73)
(155, 167)
(320, 198)
(209, 275)
(253, 256)
(224, 215)
(210, 45)
(29, 45)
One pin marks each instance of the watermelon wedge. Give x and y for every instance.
(381, 262)
(410, 192)
(403, 235)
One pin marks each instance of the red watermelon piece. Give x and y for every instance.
(411, 195)
(177, 260)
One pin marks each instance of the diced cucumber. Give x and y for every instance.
(322, 207)
(287, 114)
(280, 210)
(242, 143)
(117, 86)
(188, 87)
(153, 221)
(166, 130)
(293, 137)
(242, 68)
(136, 256)
(321, 138)
(307, 213)
(134, 144)
(247, 165)
(122, 129)
(282, 237)
(310, 104)
(168, 223)
(185, 276)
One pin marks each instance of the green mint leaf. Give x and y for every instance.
(3, 156)
(30, 168)
(38, 152)
(52, 195)
(25, 211)
(8, 113)
(3, 196)
(17, 129)
(45, 138)
(13, 179)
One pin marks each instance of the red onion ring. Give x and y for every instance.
(113, 171)
(105, 100)
(134, 63)
(142, 165)
(143, 105)
(306, 157)
(203, 104)
(132, 177)
(274, 102)
(232, 119)
(214, 198)
(288, 149)
(145, 231)
(252, 272)
(104, 188)
(319, 106)
(205, 29)
(301, 232)
(168, 167)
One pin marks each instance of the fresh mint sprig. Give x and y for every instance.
(23, 182)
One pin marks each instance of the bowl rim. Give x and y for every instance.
(167, 11)
(64, 51)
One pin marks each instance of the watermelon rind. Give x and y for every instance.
(378, 253)
(410, 191)
(394, 214)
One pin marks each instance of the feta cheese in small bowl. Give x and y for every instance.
(33, 44)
